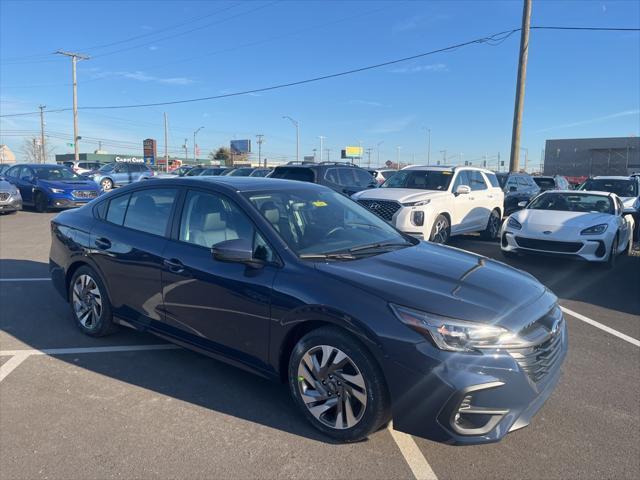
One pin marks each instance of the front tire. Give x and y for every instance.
(611, 261)
(493, 227)
(90, 305)
(40, 202)
(441, 230)
(338, 385)
(106, 184)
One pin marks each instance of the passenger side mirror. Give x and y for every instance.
(522, 204)
(236, 251)
(463, 190)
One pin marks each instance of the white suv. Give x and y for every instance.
(433, 203)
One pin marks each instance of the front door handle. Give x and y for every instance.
(103, 243)
(174, 265)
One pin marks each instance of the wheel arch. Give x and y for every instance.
(73, 268)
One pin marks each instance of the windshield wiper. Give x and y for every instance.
(327, 256)
(379, 245)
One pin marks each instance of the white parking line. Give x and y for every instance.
(40, 279)
(601, 326)
(11, 364)
(412, 455)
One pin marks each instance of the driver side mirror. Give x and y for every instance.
(239, 250)
(522, 204)
(463, 190)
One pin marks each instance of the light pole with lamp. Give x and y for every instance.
(195, 145)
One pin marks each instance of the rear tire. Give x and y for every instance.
(493, 227)
(338, 385)
(106, 184)
(90, 305)
(441, 230)
(40, 202)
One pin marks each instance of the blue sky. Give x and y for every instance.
(579, 84)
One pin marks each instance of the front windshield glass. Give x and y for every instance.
(314, 222)
(573, 202)
(107, 168)
(621, 187)
(56, 173)
(420, 180)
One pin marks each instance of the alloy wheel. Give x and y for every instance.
(87, 301)
(440, 232)
(332, 387)
(106, 184)
(494, 225)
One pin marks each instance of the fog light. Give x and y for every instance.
(417, 218)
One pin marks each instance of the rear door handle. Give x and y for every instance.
(103, 243)
(174, 265)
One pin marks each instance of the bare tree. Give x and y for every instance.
(31, 150)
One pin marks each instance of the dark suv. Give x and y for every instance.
(517, 187)
(344, 178)
(557, 182)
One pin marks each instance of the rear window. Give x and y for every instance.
(294, 173)
(117, 208)
(149, 210)
(493, 180)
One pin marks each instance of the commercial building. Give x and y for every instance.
(586, 157)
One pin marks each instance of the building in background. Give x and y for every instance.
(6, 155)
(587, 157)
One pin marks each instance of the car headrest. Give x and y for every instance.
(270, 211)
(214, 221)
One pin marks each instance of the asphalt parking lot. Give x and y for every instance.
(130, 406)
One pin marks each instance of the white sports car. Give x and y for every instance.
(587, 225)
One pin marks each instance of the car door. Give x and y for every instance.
(481, 204)
(26, 184)
(625, 229)
(120, 174)
(461, 204)
(219, 306)
(128, 245)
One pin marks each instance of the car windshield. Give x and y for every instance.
(211, 172)
(545, 182)
(573, 202)
(420, 179)
(55, 173)
(621, 187)
(320, 222)
(107, 168)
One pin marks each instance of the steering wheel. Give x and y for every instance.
(333, 231)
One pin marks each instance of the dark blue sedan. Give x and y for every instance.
(47, 187)
(299, 284)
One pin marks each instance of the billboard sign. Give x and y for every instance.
(352, 152)
(240, 146)
(149, 147)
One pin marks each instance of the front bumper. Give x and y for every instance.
(593, 248)
(61, 201)
(471, 399)
(11, 204)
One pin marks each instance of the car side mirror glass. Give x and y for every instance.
(463, 190)
(522, 204)
(239, 250)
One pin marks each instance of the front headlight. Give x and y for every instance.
(419, 203)
(451, 334)
(595, 230)
(513, 223)
(56, 190)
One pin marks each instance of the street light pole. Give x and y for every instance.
(260, 138)
(428, 146)
(321, 137)
(186, 152)
(296, 124)
(43, 158)
(74, 61)
(398, 157)
(195, 145)
(378, 150)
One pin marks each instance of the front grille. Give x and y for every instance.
(84, 193)
(548, 245)
(4, 196)
(539, 360)
(383, 208)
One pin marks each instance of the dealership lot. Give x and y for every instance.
(139, 411)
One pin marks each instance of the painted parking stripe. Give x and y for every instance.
(412, 455)
(601, 326)
(11, 364)
(72, 351)
(41, 279)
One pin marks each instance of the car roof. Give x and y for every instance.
(446, 168)
(580, 192)
(611, 177)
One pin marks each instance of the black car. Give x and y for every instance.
(212, 171)
(344, 178)
(517, 187)
(556, 182)
(299, 284)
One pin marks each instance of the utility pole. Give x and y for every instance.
(186, 151)
(260, 138)
(74, 61)
(328, 154)
(297, 125)
(166, 146)
(444, 156)
(368, 157)
(43, 158)
(398, 157)
(514, 160)
(321, 137)
(378, 149)
(195, 145)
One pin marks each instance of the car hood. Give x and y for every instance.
(69, 184)
(402, 195)
(559, 223)
(6, 186)
(449, 282)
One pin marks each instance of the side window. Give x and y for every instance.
(477, 181)
(331, 175)
(117, 208)
(100, 209)
(522, 182)
(493, 180)
(25, 173)
(120, 168)
(362, 178)
(13, 172)
(461, 179)
(511, 183)
(345, 177)
(149, 210)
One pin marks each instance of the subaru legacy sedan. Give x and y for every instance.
(297, 283)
